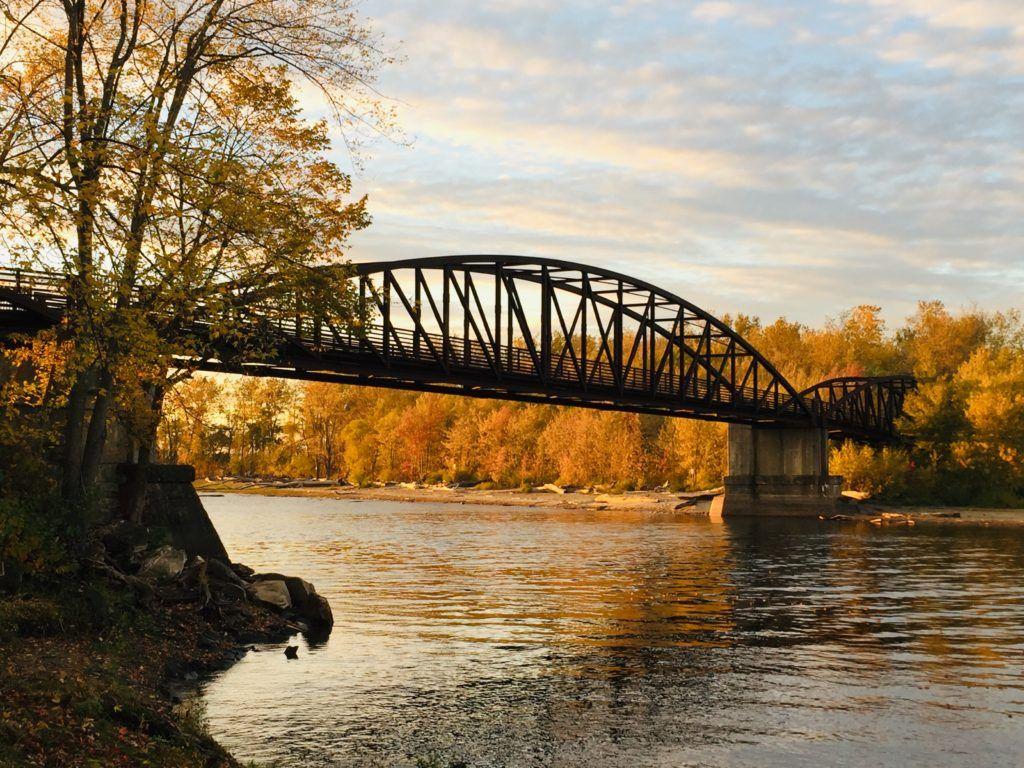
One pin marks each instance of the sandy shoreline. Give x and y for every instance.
(652, 501)
(665, 502)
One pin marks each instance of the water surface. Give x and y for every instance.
(506, 636)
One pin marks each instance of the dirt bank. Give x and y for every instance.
(89, 677)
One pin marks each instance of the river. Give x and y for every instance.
(504, 636)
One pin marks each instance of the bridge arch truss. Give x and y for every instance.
(528, 329)
(599, 339)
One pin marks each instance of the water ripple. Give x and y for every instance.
(524, 637)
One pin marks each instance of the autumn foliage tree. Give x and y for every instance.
(156, 154)
(966, 420)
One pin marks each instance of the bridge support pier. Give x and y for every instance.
(779, 471)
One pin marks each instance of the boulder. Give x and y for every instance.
(272, 592)
(242, 570)
(227, 591)
(299, 590)
(303, 602)
(317, 611)
(165, 563)
(196, 576)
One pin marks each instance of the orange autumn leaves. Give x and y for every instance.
(263, 427)
(967, 419)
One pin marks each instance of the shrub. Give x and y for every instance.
(37, 537)
(878, 472)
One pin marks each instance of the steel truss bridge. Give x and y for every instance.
(533, 330)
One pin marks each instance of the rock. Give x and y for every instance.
(165, 563)
(219, 570)
(228, 590)
(707, 495)
(193, 568)
(551, 488)
(196, 576)
(292, 652)
(948, 514)
(243, 571)
(272, 592)
(121, 541)
(856, 495)
(317, 611)
(298, 589)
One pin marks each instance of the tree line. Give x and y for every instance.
(966, 418)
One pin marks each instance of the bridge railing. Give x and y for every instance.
(402, 346)
(32, 281)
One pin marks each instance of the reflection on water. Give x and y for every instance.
(522, 637)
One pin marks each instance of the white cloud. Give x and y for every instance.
(787, 159)
(715, 11)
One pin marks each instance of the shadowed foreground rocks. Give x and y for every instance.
(99, 666)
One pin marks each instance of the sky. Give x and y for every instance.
(791, 158)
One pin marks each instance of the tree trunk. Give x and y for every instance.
(72, 486)
(96, 437)
(136, 500)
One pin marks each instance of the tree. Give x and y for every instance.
(255, 418)
(693, 453)
(935, 343)
(993, 394)
(189, 428)
(596, 447)
(155, 153)
(325, 412)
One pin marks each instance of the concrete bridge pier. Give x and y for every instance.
(779, 471)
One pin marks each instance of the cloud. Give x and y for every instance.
(792, 159)
(715, 11)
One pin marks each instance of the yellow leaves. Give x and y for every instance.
(937, 343)
(872, 470)
(993, 386)
(693, 453)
